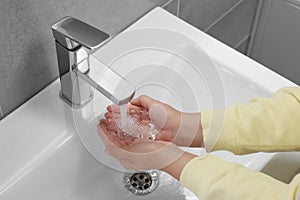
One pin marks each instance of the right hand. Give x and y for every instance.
(135, 153)
(183, 129)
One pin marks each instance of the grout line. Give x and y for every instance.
(262, 20)
(242, 41)
(293, 3)
(1, 113)
(222, 16)
(170, 1)
(178, 8)
(254, 26)
(167, 3)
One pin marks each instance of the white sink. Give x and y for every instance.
(42, 155)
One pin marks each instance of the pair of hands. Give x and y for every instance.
(176, 128)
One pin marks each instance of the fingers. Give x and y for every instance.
(130, 109)
(116, 109)
(113, 108)
(105, 122)
(138, 107)
(108, 115)
(110, 125)
(141, 114)
(110, 139)
(113, 134)
(112, 115)
(143, 101)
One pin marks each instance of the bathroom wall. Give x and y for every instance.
(227, 20)
(276, 41)
(27, 52)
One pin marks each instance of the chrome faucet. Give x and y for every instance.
(75, 41)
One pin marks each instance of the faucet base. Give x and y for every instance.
(76, 106)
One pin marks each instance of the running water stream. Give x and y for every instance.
(124, 117)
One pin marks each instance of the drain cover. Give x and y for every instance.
(141, 183)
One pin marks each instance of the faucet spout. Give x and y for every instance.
(110, 84)
(75, 41)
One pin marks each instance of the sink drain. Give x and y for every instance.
(141, 183)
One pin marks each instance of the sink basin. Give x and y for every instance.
(50, 151)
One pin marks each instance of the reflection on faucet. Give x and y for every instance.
(75, 41)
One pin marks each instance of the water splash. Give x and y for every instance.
(137, 124)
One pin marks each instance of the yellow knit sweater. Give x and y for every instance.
(267, 125)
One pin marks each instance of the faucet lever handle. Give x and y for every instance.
(71, 33)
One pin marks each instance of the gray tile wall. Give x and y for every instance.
(27, 53)
(227, 20)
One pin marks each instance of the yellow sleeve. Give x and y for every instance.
(264, 124)
(261, 125)
(212, 178)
